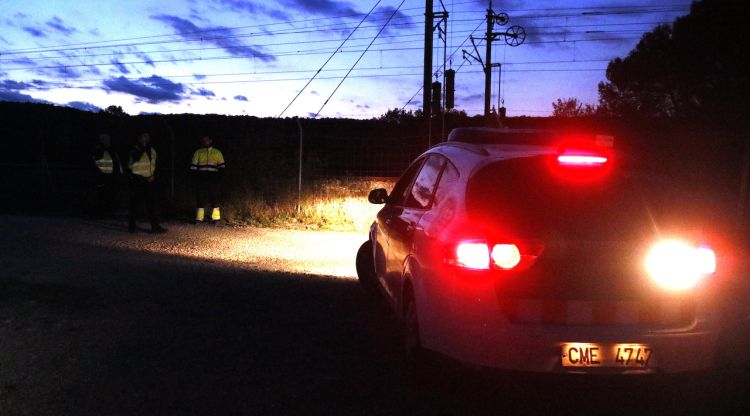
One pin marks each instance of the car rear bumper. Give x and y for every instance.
(538, 349)
(477, 332)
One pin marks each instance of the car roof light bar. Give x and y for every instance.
(581, 160)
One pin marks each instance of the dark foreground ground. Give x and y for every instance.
(95, 329)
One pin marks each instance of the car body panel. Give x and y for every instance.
(472, 316)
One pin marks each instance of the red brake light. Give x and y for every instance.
(480, 255)
(472, 255)
(582, 160)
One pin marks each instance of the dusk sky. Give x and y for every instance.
(252, 57)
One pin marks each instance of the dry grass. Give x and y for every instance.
(339, 204)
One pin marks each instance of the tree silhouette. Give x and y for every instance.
(115, 110)
(697, 67)
(571, 107)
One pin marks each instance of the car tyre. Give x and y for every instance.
(366, 270)
(416, 358)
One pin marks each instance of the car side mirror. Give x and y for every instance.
(378, 196)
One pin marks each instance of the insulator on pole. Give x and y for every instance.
(450, 88)
(436, 92)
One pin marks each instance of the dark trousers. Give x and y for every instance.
(142, 191)
(207, 189)
(106, 194)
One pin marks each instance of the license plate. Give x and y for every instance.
(579, 354)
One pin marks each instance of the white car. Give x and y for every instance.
(519, 250)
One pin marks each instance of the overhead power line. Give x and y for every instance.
(329, 58)
(180, 37)
(360, 58)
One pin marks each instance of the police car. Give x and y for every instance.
(525, 250)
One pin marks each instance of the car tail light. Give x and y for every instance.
(677, 265)
(481, 255)
(505, 256)
(472, 255)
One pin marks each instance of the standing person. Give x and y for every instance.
(109, 171)
(142, 164)
(207, 167)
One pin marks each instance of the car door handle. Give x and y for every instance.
(409, 228)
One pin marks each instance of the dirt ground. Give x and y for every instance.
(205, 320)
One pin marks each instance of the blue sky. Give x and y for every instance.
(253, 57)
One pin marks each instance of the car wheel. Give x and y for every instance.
(366, 270)
(414, 354)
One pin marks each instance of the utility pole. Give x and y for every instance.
(514, 36)
(488, 59)
(427, 84)
(428, 95)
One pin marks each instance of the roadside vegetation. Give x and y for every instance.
(334, 204)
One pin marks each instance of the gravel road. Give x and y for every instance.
(205, 320)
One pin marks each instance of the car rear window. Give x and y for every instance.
(524, 196)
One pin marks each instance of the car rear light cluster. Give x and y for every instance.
(481, 255)
(677, 265)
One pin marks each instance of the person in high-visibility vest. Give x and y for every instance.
(207, 167)
(142, 165)
(108, 173)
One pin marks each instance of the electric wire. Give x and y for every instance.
(358, 59)
(328, 60)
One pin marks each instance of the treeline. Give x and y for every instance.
(47, 148)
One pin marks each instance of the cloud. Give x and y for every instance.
(471, 97)
(253, 8)
(218, 36)
(42, 85)
(203, 92)
(17, 97)
(322, 7)
(153, 89)
(240, 98)
(59, 70)
(10, 91)
(381, 15)
(94, 70)
(120, 67)
(37, 33)
(57, 24)
(36, 84)
(145, 58)
(9, 84)
(84, 106)
(23, 61)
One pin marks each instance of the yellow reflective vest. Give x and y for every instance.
(207, 159)
(105, 163)
(145, 165)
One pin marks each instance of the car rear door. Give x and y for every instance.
(385, 221)
(405, 216)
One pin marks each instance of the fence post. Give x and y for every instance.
(172, 138)
(299, 179)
